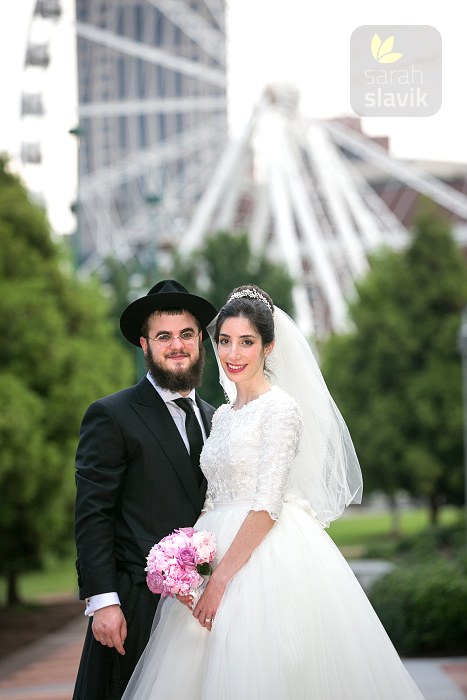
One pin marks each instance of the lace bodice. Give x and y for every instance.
(250, 451)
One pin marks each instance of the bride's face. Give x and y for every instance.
(241, 350)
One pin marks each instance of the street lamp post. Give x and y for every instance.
(462, 345)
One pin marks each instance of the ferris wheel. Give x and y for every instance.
(47, 111)
(313, 204)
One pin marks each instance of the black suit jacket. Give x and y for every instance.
(135, 484)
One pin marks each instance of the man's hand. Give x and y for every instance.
(109, 627)
(185, 600)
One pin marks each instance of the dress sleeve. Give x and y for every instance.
(281, 429)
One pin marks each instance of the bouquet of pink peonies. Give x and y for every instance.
(177, 564)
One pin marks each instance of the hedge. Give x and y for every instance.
(423, 607)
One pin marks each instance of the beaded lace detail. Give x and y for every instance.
(250, 452)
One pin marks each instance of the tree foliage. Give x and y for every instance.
(397, 374)
(223, 262)
(57, 354)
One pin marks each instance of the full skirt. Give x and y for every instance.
(294, 624)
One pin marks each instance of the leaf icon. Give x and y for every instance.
(386, 47)
(375, 44)
(382, 50)
(390, 58)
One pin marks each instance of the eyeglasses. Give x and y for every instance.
(166, 339)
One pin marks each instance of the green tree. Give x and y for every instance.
(57, 354)
(223, 262)
(396, 373)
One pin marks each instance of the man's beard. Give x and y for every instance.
(176, 381)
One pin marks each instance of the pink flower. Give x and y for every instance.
(155, 582)
(156, 559)
(188, 531)
(187, 557)
(205, 546)
(171, 544)
(174, 564)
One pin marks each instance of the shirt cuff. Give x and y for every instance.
(101, 600)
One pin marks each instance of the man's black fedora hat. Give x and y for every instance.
(167, 294)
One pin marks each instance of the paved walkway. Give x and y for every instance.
(46, 670)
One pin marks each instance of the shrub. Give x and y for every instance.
(446, 541)
(423, 607)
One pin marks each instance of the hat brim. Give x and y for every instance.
(136, 313)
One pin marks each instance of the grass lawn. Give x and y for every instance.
(354, 532)
(57, 580)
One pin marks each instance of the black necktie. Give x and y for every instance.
(194, 434)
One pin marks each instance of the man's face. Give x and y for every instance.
(176, 366)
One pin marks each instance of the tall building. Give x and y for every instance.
(152, 121)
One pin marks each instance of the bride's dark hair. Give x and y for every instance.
(257, 307)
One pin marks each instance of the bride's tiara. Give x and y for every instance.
(252, 294)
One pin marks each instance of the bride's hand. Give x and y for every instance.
(207, 606)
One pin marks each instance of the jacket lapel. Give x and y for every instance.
(155, 415)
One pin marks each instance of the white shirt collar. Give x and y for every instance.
(167, 395)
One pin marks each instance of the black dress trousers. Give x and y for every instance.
(103, 673)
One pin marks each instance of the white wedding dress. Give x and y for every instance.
(294, 623)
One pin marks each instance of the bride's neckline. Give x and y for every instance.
(253, 401)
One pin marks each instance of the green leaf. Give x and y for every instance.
(204, 569)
